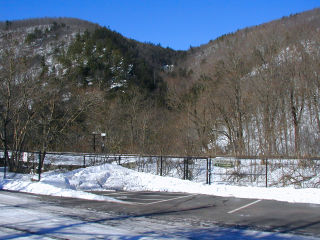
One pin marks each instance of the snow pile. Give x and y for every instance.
(49, 189)
(58, 187)
(114, 177)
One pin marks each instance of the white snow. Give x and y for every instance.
(113, 177)
(116, 85)
(21, 220)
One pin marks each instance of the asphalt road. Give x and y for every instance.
(206, 211)
(195, 211)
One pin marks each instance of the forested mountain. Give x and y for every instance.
(255, 91)
(252, 92)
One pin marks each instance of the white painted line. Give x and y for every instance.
(117, 193)
(166, 200)
(144, 199)
(245, 206)
(129, 193)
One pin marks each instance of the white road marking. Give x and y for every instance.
(123, 196)
(166, 200)
(245, 206)
(129, 193)
(115, 193)
(144, 199)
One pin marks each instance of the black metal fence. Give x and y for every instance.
(220, 170)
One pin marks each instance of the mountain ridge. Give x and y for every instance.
(251, 92)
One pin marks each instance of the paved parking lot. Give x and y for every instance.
(154, 215)
(258, 214)
(198, 211)
(144, 198)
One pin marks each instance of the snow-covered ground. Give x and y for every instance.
(105, 177)
(20, 219)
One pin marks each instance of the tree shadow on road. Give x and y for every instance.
(219, 232)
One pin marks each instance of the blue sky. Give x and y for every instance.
(178, 24)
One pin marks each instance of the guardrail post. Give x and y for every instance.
(119, 160)
(84, 161)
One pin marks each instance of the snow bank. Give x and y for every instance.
(57, 187)
(48, 189)
(114, 177)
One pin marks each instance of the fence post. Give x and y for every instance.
(161, 165)
(266, 172)
(187, 168)
(84, 161)
(119, 160)
(184, 168)
(39, 166)
(6, 159)
(210, 162)
(207, 173)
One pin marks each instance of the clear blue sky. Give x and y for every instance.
(178, 24)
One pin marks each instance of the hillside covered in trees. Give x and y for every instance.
(256, 91)
(252, 92)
